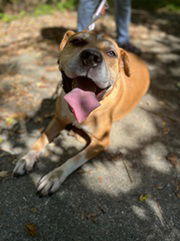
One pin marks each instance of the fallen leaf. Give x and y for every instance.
(143, 197)
(1, 140)
(159, 186)
(52, 68)
(31, 228)
(90, 216)
(82, 171)
(41, 85)
(23, 93)
(173, 159)
(39, 62)
(34, 210)
(4, 173)
(164, 124)
(44, 79)
(38, 120)
(19, 115)
(166, 130)
(100, 180)
(9, 121)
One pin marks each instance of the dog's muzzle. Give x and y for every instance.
(91, 58)
(83, 93)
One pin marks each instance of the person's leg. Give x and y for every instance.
(86, 9)
(123, 18)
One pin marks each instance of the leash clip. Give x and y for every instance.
(100, 11)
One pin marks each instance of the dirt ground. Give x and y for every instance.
(128, 193)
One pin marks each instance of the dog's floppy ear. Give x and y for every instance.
(125, 62)
(66, 36)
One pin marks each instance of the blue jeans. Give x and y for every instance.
(86, 9)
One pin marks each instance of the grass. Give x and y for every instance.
(152, 5)
(9, 17)
(60, 6)
(42, 9)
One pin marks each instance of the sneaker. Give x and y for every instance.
(131, 48)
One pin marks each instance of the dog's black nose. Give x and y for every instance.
(91, 57)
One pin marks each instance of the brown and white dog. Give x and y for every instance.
(101, 84)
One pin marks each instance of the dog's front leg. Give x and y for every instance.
(27, 162)
(50, 183)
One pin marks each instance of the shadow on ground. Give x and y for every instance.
(164, 20)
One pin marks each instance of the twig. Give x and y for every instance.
(130, 178)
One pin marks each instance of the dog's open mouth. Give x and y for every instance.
(82, 95)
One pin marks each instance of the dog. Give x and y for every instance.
(101, 83)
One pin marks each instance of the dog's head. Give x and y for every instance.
(90, 62)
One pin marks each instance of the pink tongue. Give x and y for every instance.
(81, 102)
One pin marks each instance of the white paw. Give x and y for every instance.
(25, 164)
(50, 183)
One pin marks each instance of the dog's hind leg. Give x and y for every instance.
(27, 162)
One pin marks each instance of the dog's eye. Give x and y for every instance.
(78, 42)
(111, 53)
